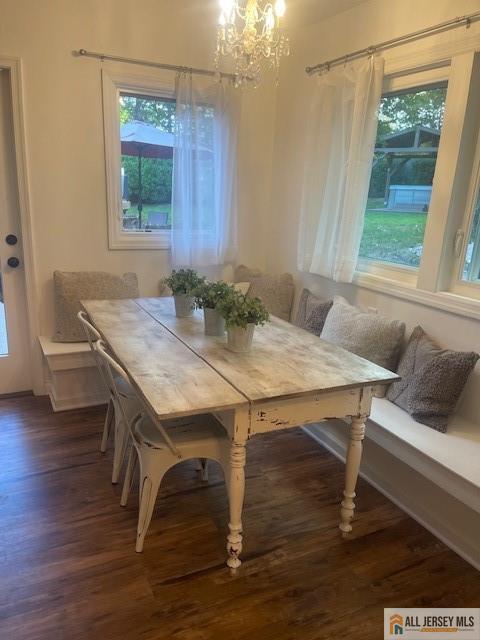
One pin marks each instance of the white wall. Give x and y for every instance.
(365, 24)
(63, 112)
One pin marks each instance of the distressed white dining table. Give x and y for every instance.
(289, 379)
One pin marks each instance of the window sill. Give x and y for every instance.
(441, 300)
(135, 240)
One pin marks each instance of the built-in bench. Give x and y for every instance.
(71, 376)
(433, 476)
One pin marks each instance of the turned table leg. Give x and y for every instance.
(236, 495)
(354, 456)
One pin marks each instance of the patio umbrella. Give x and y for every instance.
(144, 141)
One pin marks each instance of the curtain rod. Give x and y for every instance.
(394, 42)
(146, 63)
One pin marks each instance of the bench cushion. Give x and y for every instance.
(458, 450)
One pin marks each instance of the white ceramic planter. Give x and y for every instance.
(214, 323)
(184, 305)
(240, 339)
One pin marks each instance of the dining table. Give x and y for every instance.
(290, 378)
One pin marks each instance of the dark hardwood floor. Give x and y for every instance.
(68, 569)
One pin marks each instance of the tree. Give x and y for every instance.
(406, 110)
(157, 111)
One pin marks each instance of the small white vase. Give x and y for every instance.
(214, 323)
(184, 305)
(239, 339)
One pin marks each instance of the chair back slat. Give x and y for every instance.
(94, 336)
(113, 365)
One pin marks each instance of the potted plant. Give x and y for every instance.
(207, 297)
(183, 282)
(241, 315)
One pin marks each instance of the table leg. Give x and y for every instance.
(238, 429)
(354, 456)
(236, 495)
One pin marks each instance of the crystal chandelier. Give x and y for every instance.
(251, 33)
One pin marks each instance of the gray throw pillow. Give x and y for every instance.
(275, 291)
(71, 287)
(312, 312)
(307, 304)
(432, 380)
(368, 335)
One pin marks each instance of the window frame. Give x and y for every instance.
(469, 288)
(413, 79)
(436, 284)
(114, 83)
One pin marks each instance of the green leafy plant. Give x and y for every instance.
(209, 294)
(239, 311)
(184, 281)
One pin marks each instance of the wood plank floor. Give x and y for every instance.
(68, 569)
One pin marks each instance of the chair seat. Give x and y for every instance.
(183, 431)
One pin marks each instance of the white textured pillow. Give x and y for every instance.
(368, 335)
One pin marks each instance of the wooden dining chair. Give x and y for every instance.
(118, 415)
(158, 446)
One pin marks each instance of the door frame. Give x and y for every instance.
(14, 66)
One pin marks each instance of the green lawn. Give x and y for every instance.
(132, 212)
(395, 236)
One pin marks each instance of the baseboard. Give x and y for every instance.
(448, 519)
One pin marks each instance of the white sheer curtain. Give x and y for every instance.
(341, 137)
(204, 216)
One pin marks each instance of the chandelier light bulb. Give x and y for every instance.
(221, 19)
(227, 6)
(270, 20)
(280, 8)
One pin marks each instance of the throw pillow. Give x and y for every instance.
(432, 380)
(71, 287)
(275, 291)
(369, 335)
(312, 312)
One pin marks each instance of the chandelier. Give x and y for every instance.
(251, 33)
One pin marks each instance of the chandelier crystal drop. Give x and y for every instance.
(251, 33)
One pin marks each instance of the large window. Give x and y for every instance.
(408, 136)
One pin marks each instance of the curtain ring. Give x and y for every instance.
(371, 51)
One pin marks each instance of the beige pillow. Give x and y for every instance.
(275, 291)
(369, 335)
(71, 287)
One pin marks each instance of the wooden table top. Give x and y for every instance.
(172, 380)
(285, 361)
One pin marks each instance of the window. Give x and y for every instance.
(408, 136)
(146, 146)
(471, 268)
(436, 262)
(139, 120)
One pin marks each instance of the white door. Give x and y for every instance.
(15, 374)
